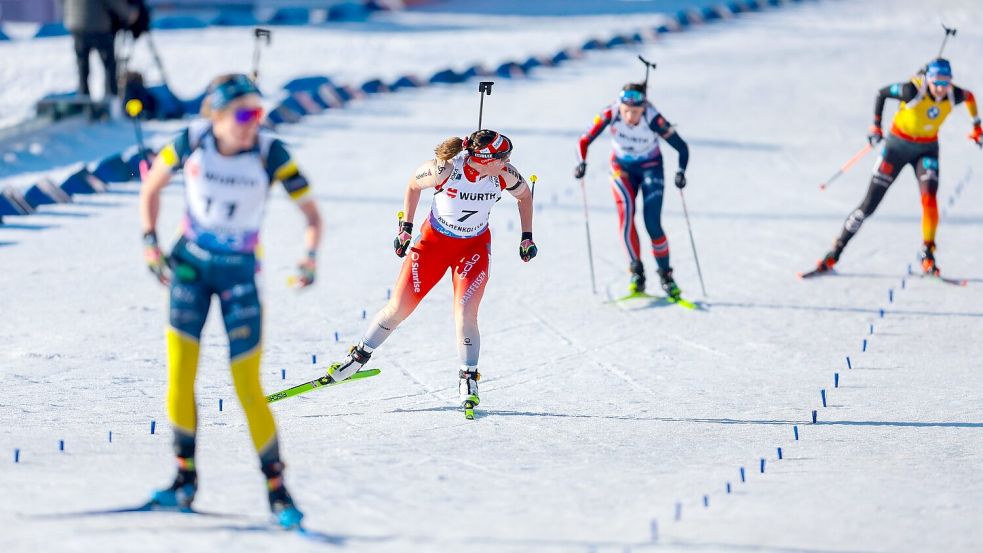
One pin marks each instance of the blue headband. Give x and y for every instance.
(224, 94)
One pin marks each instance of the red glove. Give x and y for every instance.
(977, 134)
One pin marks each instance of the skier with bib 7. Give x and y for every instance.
(467, 178)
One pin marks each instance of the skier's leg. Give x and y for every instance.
(653, 191)
(886, 170)
(927, 171)
(425, 264)
(189, 301)
(242, 313)
(470, 277)
(625, 190)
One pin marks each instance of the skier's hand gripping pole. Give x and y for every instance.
(404, 234)
(846, 166)
(692, 242)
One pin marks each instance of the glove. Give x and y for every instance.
(977, 134)
(875, 135)
(306, 271)
(580, 170)
(527, 248)
(155, 259)
(402, 241)
(680, 179)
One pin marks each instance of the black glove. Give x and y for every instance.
(580, 170)
(680, 179)
(874, 135)
(402, 241)
(527, 248)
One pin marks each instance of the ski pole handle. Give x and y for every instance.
(846, 166)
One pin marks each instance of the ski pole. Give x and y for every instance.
(948, 32)
(846, 166)
(648, 65)
(533, 179)
(590, 252)
(484, 87)
(259, 34)
(692, 243)
(133, 108)
(156, 55)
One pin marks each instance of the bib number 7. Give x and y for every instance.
(467, 213)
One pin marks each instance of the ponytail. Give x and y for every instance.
(449, 148)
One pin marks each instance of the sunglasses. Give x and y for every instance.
(942, 83)
(632, 97)
(244, 116)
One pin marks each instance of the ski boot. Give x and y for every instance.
(669, 284)
(468, 389)
(181, 493)
(358, 356)
(928, 260)
(637, 284)
(281, 504)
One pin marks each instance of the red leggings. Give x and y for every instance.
(425, 264)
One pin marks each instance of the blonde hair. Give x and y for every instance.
(449, 148)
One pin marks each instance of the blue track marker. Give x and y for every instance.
(363, 313)
(836, 380)
(61, 445)
(779, 454)
(728, 487)
(795, 432)
(655, 530)
(762, 466)
(16, 455)
(220, 405)
(283, 374)
(153, 426)
(813, 416)
(313, 359)
(706, 500)
(110, 436)
(890, 295)
(822, 394)
(336, 337)
(679, 510)
(863, 347)
(742, 475)
(849, 365)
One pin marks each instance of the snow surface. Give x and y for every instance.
(594, 421)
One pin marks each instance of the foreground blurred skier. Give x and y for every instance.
(468, 177)
(229, 166)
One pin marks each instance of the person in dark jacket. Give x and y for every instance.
(91, 25)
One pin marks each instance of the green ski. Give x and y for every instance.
(322, 382)
(646, 296)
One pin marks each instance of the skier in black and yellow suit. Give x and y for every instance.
(926, 101)
(229, 166)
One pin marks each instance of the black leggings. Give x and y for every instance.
(102, 43)
(897, 152)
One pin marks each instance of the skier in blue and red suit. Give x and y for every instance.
(636, 164)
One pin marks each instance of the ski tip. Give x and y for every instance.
(822, 186)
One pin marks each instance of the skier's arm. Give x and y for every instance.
(667, 132)
(157, 178)
(963, 95)
(170, 159)
(431, 174)
(600, 122)
(515, 184)
(281, 168)
(899, 91)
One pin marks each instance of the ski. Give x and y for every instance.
(322, 382)
(952, 281)
(148, 507)
(815, 273)
(656, 299)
